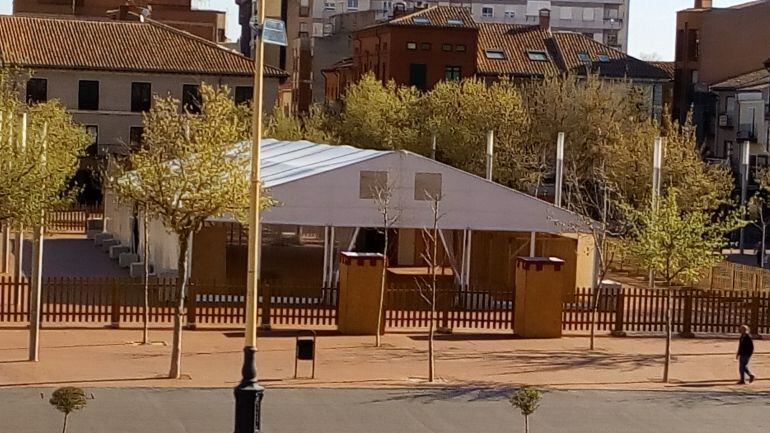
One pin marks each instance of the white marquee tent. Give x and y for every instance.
(330, 186)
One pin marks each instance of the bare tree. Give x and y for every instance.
(427, 287)
(383, 196)
(600, 212)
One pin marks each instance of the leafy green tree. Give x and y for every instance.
(379, 117)
(282, 126)
(460, 113)
(67, 400)
(527, 400)
(759, 210)
(316, 125)
(607, 125)
(40, 146)
(678, 245)
(188, 170)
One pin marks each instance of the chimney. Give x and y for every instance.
(703, 4)
(545, 19)
(123, 12)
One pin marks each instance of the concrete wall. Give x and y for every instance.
(114, 117)
(164, 246)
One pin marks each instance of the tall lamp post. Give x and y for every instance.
(248, 393)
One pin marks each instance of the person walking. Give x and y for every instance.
(745, 350)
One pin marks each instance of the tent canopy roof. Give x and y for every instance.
(319, 185)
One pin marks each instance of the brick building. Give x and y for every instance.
(176, 13)
(714, 45)
(446, 43)
(419, 49)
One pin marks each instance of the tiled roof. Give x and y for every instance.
(438, 16)
(563, 50)
(752, 79)
(620, 64)
(118, 46)
(667, 67)
(514, 41)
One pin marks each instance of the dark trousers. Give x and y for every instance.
(743, 366)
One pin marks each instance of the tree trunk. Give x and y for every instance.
(381, 313)
(64, 427)
(176, 349)
(431, 326)
(146, 281)
(526, 423)
(762, 256)
(669, 323)
(35, 292)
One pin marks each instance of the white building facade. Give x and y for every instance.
(606, 21)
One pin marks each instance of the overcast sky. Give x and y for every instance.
(651, 33)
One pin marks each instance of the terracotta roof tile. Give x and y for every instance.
(756, 78)
(563, 49)
(667, 67)
(618, 64)
(124, 46)
(515, 42)
(438, 16)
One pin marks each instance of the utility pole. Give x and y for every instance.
(745, 157)
(490, 153)
(248, 393)
(559, 169)
(657, 168)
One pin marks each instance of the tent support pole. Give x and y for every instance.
(452, 258)
(326, 257)
(469, 250)
(352, 243)
(332, 273)
(532, 243)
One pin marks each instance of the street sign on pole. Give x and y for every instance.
(274, 32)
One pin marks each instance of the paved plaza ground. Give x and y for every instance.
(463, 410)
(72, 256)
(103, 357)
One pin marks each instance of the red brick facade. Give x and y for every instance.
(415, 56)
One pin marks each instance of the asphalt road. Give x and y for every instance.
(379, 411)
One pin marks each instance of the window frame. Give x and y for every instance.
(426, 46)
(93, 148)
(485, 9)
(141, 106)
(538, 56)
(429, 178)
(88, 103)
(411, 46)
(194, 106)
(453, 73)
(45, 90)
(378, 178)
(446, 48)
(495, 54)
(239, 98)
(131, 143)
